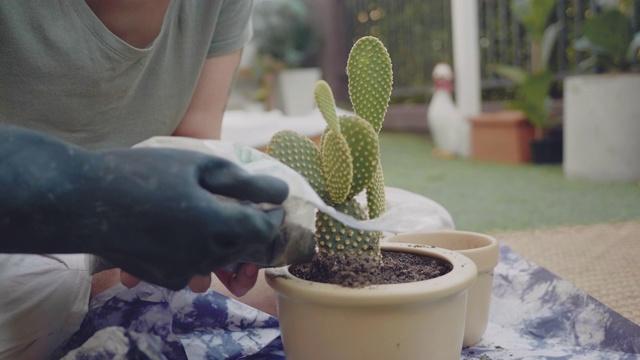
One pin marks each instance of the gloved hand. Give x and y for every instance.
(149, 211)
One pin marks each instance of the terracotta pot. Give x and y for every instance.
(501, 136)
(484, 251)
(417, 320)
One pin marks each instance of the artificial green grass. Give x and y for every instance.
(492, 197)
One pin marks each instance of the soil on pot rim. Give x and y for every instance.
(359, 271)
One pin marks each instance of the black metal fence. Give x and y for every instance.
(418, 35)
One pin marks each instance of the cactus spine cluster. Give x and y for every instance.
(348, 160)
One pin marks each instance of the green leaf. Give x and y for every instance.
(587, 64)
(634, 48)
(537, 86)
(513, 73)
(583, 44)
(609, 31)
(548, 41)
(531, 98)
(533, 15)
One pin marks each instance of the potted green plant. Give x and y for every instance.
(601, 107)
(287, 46)
(334, 307)
(532, 91)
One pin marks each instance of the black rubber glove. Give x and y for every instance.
(149, 211)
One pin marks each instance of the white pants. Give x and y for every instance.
(43, 299)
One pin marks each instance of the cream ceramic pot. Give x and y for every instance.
(418, 320)
(483, 250)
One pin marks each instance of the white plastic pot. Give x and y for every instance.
(417, 320)
(602, 127)
(295, 90)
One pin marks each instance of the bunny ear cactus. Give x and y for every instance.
(348, 160)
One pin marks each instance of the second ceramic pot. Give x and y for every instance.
(484, 251)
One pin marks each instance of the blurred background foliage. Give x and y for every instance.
(418, 35)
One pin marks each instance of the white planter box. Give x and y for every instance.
(294, 88)
(602, 127)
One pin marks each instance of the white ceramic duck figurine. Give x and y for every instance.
(446, 124)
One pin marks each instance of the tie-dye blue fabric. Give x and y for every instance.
(155, 323)
(534, 315)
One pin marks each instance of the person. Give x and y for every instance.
(148, 210)
(105, 75)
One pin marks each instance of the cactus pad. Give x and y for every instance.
(301, 154)
(365, 151)
(375, 194)
(334, 236)
(326, 104)
(337, 165)
(348, 160)
(370, 80)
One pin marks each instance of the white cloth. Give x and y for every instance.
(411, 212)
(255, 128)
(43, 300)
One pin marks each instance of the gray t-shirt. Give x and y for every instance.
(63, 72)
